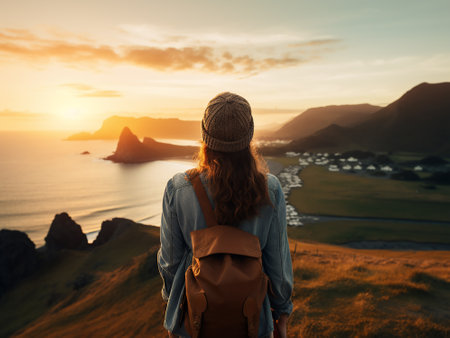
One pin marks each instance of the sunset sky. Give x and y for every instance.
(70, 64)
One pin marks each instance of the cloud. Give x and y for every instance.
(101, 93)
(315, 43)
(172, 58)
(84, 90)
(16, 35)
(6, 113)
(194, 56)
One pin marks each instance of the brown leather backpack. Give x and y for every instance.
(225, 285)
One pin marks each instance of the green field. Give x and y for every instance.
(339, 232)
(405, 156)
(340, 194)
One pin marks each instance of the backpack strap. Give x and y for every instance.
(202, 196)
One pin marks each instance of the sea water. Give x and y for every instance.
(41, 174)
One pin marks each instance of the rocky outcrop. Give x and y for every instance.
(18, 258)
(112, 229)
(130, 150)
(64, 233)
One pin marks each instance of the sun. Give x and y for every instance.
(69, 118)
(71, 114)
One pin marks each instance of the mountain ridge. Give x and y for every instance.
(416, 122)
(173, 128)
(316, 118)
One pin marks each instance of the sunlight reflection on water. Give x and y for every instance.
(42, 175)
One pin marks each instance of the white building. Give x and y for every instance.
(303, 163)
(322, 161)
(352, 159)
(386, 168)
(418, 168)
(333, 167)
(357, 167)
(347, 167)
(371, 167)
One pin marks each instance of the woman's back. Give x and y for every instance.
(242, 196)
(190, 217)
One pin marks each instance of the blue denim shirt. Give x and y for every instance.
(182, 214)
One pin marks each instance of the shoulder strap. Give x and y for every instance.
(202, 197)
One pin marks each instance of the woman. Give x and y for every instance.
(243, 195)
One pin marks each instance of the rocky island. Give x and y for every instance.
(131, 150)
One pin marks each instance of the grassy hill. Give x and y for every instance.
(111, 290)
(114, 290)
(369, 293)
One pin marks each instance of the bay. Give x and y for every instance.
(41, 175)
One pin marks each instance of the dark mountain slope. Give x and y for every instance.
(419, 121)
(314, 119)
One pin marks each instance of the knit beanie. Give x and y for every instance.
(227, 124)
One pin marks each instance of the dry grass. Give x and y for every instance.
(120, 303)
(107, 291)
(339, 292)
(342, 292)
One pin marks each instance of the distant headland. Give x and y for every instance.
(170, 128)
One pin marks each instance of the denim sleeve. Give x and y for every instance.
(277, 260)
(172, 241)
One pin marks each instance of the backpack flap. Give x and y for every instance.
(224, 239)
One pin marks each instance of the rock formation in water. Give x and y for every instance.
(65, 233)
(131, 150)
(18, 258)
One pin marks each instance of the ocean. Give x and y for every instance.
(41, 175)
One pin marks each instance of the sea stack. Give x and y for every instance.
(131, 150)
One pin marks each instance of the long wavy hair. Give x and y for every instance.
(237, 181)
